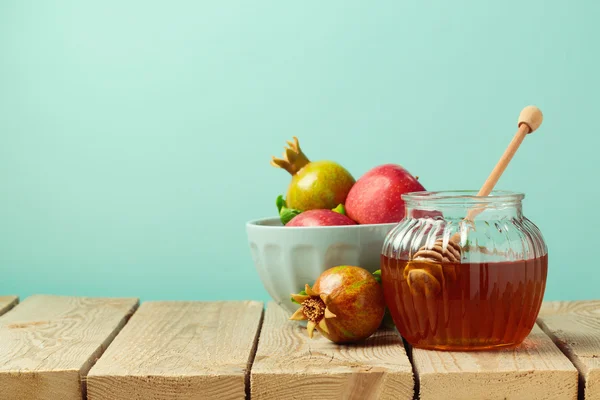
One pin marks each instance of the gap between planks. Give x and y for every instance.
(7, 303)
(248, 395)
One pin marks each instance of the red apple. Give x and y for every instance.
(320, 217)
(376, 197)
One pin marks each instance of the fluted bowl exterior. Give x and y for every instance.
(287, 258)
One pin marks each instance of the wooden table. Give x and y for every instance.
(55, 347)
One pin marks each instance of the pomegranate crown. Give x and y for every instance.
(314, 308)
(293, 159)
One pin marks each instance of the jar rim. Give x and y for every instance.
(463, 197)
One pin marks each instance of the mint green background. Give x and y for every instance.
(135, 136)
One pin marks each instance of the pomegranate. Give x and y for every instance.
(345, 304)
(376, 196)
(315, 184)
(320, 218)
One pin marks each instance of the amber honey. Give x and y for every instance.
(464, 306)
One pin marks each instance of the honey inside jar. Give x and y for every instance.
(464, 306)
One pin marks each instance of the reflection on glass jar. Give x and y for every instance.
(452, 283)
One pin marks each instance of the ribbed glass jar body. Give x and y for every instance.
(462, 272)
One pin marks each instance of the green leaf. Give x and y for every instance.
(287, 214)
(377, 275)
(294, 301)
(280, 202)
(340, 209)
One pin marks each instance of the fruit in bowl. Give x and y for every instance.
(315, 184)
(320, 218)
(376, 196)
(317, 217)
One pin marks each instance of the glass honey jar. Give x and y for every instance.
(464, 272)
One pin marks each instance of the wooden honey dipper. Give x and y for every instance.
(530, 119)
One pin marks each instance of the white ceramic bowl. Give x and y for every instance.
(287, 258)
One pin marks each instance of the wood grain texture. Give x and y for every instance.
(180, 350)
(7, 302)
(575, 328)
(289, 365)
(536, 369)
(47, 343)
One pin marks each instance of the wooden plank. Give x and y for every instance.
(7, 302)
(575, 328)
(536, 369)
(289, 365)
(180, 350)
(47, 343)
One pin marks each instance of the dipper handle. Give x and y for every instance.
(529, 120)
